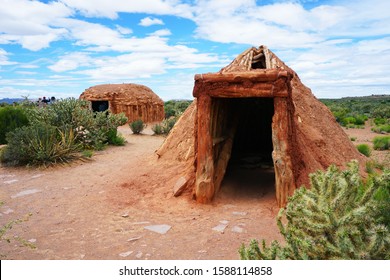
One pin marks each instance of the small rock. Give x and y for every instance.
(134, 239)
(126, 215)
(220, 228)
(36, 176)
(225, 222)
(139, 255)
(26, 192)
(237, 229)
(180, 185)
(10, 181)
(32, 240)
(126, 254)
(161, 229)
(8, 211)
(202, 251)
(240, 213)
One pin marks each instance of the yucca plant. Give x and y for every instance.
(337, 218)
(40, 145)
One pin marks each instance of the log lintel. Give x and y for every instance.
(255, 83)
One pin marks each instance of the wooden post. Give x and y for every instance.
(204, 188)
(284, 178)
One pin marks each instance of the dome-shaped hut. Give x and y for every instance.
(136, 101)
(255, 112)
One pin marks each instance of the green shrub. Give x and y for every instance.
(90, 129)
(115, 139)
(39, 144)
(381, 142)
(168, 124)
(336, 218)
(87, 153)
(380, 121)
(364, 149)
(360, 120)
(11, 117)
(385, 128)
(353, 138)
(158, 129)
(137, 126)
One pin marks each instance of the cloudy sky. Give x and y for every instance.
(59, 48)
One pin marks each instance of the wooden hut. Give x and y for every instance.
(136, 101)
(256, 105)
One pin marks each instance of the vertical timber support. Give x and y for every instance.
(204, 188)
(284, 178)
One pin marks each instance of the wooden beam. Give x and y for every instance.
(256, 75)
(204, 185)
(256, 83)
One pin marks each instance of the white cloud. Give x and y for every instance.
(111, 8)
(70, 62)
(29, 23)
(137, 64)
(4, 58)
(161, 33)
(148, 21)
(123, 30)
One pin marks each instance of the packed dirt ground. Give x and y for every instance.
(101, 209)
(112, 208)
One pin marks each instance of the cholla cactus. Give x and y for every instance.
(335, 219)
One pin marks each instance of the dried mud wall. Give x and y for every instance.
(317, 139)
(136, 101)
(178, 148)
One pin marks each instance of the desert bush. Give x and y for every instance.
(380, 121)
(337, 218)
(114, 138)
(381, 142)
(137, 126)
(39, 144)
(158, 129)
(364, 149)
(90, 129)
(87, 153)
(11, 117)
(353, 138)
(372, 166)
(168, 124)
(385, 128)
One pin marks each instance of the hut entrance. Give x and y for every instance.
(243, 116)
(243, 145)
(100, 106)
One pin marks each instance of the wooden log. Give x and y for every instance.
(284, 177)
(204, 185)
(256, 75)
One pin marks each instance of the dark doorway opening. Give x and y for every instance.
(250, 172)
(100, 106)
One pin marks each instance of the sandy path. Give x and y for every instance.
(98, 210)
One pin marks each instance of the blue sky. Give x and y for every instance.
(59, 48)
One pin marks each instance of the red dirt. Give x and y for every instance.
(98, 210)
